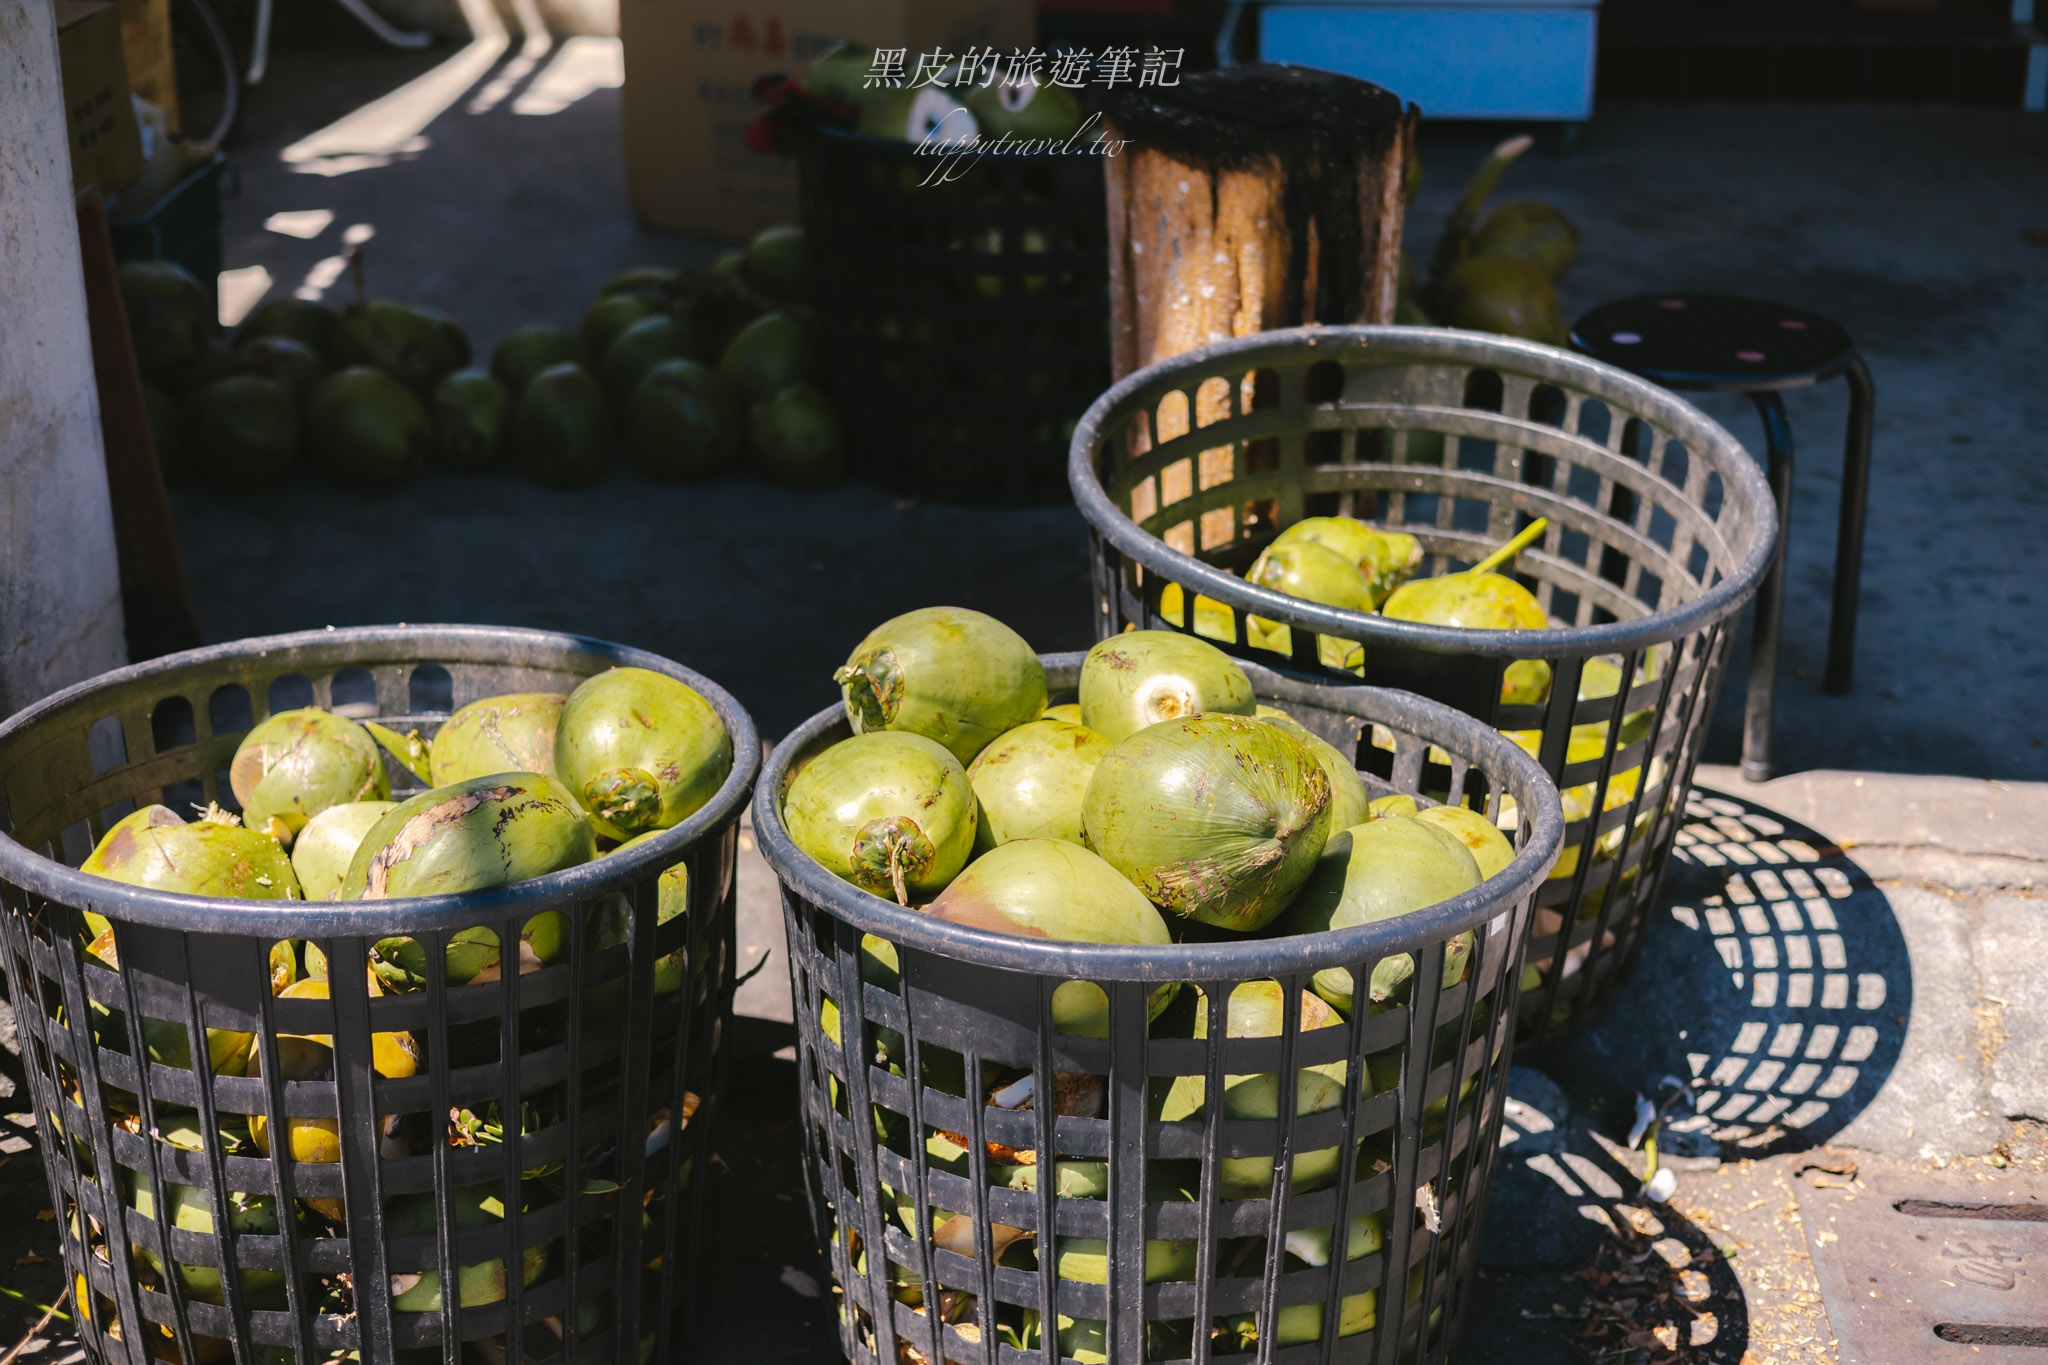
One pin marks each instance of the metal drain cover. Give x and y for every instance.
(1931, 1267)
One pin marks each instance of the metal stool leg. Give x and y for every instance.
(1849, 535)
(1770, 597)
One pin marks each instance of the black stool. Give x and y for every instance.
(1723, 344)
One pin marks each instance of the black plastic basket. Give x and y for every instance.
(965, 1003)
(606, 1085)
(963, 322)
(1660, 527)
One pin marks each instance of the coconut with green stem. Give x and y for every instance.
(1481, 599)
(890, 811)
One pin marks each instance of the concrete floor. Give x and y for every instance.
(1905, 225)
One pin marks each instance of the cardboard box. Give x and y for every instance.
(146, 44)
(106, 145)
(690, 70)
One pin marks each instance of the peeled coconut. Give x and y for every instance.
(795, 440)
(1217, 818)
(1258, 1009)
(1376, 871)
(1143, 677)
(1485, 841)
(682, 422)
(768, 355)
(301, 320)
(323, 850)
(1504, 295)
(953, 675)
(528, 350)
(1386, 558)
(514, 733)
(242, 432)
(470, 836)
(296, 764)
(1030, 782)
(561, 428)
(891, 812)
(640, 750)
(366, 427)
(1025, 109)
(471, 411)
(292, 365)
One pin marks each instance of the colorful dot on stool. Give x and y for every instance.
(1751, 356)
(1626, 338)
(1793, 325)
(1673, 304)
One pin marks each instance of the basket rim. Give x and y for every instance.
(1248, 959)
(1742, 478)
(24, 867)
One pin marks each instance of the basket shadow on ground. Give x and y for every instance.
(1780, 994)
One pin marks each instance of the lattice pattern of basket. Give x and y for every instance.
(451, 1132)
(1660, 527)
(961, 311)
(1177, 1232)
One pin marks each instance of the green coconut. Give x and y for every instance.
(323, 850)
(1258, 1009)
(1025, 109)
(840, 73)
(1086, 1260)
(1376, 871)
(795, 439)
(1489, 847)
(292, 365)
(1213, 620)
(1397, 803)
(1532, 231)
(1144, 677)
(777, 264)
(951, 674)
(191, 1210)
(889, 811)
(1030, 782)
(1068, 711)
(242, 432)
(153, 848)
(414, 344)
(514, 733)
(916, 115)
(1301, 1324)
(641, 750)
(637, 349)
(1349, 801)
(476, 1206)
(471, 408)
(723, 304)
(1314, 573)
(682, 422)
(561, 428)
(655, 281)
(1217, 818)
(470, 836)
(1479, 600)
(301, 320)
(366, 427)
(610, 315)
(767, 356)
(166, 428)
(170, 319)
(1386, 558)
(1504, 295)
(528, 350)
(297, 763)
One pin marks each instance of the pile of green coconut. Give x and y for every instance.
(1164, 804)
(687, 373)
(514, 787)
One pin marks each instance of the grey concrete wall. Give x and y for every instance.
(60, 589)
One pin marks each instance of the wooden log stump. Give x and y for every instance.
(1247, 199)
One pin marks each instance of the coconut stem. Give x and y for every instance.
(1523, 539)
(896, 873)
(1457, 235)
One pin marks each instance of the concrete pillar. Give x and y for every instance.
(60, 586)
